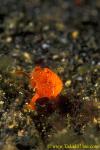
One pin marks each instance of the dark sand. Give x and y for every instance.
(66, 38)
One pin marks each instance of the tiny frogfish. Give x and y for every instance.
(46, 84)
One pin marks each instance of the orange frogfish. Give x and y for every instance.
(46, 84)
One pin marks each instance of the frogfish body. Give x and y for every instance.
(46, 84)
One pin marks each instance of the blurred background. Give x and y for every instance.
(62, 35)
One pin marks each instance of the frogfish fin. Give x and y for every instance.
(31, 105)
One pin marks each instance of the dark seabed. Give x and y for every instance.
(63, 35)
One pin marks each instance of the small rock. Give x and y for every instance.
(80, 78)
(8, 39)
(20, 133)
(45, 46)
(60, 69)
(45, 28)
(60, 26)
(75, 34)
(68, 83)
(27, 57)
(55, 57)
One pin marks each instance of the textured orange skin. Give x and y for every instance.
(46, 84)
